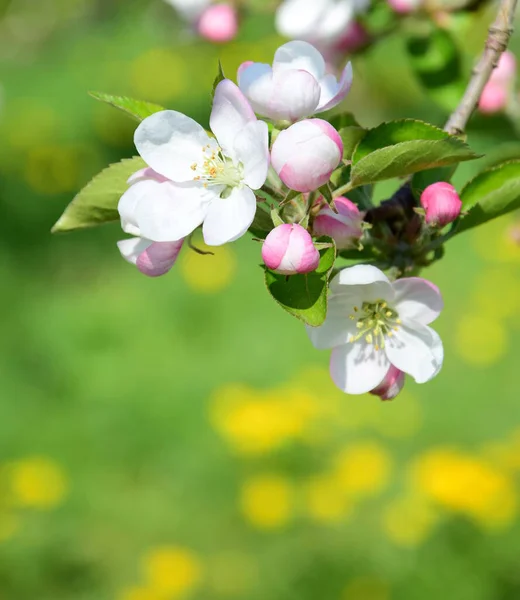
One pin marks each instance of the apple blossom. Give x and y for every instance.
(441, 203)
(343, 226)
(355, 37)
(296, 86)
(288, 249)
(306, 154)
(204, 180)
(404, 6)
(391, 385)
(218, 23)
(373, 324)
(151, 258)
(321, 22)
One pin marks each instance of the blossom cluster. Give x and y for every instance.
(265, 137)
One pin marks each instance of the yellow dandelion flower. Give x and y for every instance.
(37, 482)
(208, 274)
(466, 484)
(409, 520)
(171, 571)
(149, 75)
(363, 468)
(366, 588)
(479, 340)
(266, 501)
(325, 500)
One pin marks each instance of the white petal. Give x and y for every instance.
(332, 92)
(357, 368)
(417, 299)
(131, 249)
(290, 95)
(338, 327)
(229, 218)
(299, 18)
(251, 148)
(230, 114)
(172, 211)
(373, 283)
(171, 143)
(299, 56)
(417, 350)
(129, 201)
(335, 20)
(159, 258)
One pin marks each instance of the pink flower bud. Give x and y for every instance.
(288, 249)
(441, 203)
(305, 155)
(391, 385)
(505, 70)
(494, 98)
(404, 6)
(344, 227)
(218, 23)
(355, 37)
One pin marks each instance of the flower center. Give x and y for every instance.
(375, 321)
(217, 169)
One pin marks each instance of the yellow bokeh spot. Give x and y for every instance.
(171, 571)
(31, 123)
(208, 274)
(466, 484)
(325, 500)
(266, 501)
(366, 588)
(9, 526)
(159, 75)
(139, 593)
(498, 240)
(256, 422)
(37, 482)
(363, 468)
(481, 340)
(232, 574)
(409, 520)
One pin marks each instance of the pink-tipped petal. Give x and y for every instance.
(344, 227)
(275, 245)
(391, 385)
(332, 92)
(158, 258)
(289, 249)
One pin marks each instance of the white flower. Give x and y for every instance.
(372, 324)
(190, 10)
(204, 180)
(320, 21)
(296, 86)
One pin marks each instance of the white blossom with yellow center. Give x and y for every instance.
(373, 324)
(198, 179)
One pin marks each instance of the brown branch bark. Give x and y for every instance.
(496, 43)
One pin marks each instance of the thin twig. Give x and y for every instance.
(496, 44)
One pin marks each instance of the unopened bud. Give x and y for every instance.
(496, 93)
(344, 226)
(404, 6)
(218, 23)
(288, 249)
(305, 154)
(355, 37)
(391, 385)
(441, 203)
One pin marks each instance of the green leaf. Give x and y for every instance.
(400, 148)
(97, 202)
(304, 296)
(436, 62)
(262, 223)
(341, 120)
(422, 179)
(220, 77)
(324, 190)
(491, 194)
(350, 132)
(136, 108)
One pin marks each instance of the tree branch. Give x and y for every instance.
(496, 44)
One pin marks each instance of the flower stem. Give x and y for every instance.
(344, 189)
(496, 44)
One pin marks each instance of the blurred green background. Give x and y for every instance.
(180, 437)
